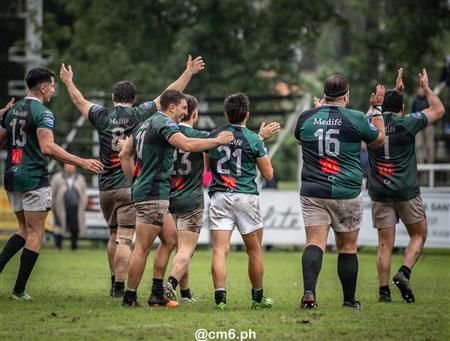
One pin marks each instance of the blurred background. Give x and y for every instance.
(277, 51)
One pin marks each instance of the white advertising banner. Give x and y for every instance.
(283, 223)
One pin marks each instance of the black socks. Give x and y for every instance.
(173, 281)
(406, 271)
(14, 244)
(27, 261)
(220, 295)
(348, 274)
(385, 290)
(311, 266)
(186, 293)
(257, 295)
(157, 287)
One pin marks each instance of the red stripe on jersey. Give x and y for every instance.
(17, 156)
(228, 181)
(330, 166)
(176, 183)
(385, 169)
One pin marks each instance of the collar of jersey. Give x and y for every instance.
(33, 98)
(122, 105)
(237, 125)
(184, 124)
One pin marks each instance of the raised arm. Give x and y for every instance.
(126, 157)
(83, 105)
(399, 81)
(435, 109)
(51, 149)
(179, 140)
(7, 107)
(376, 100)
(193, 66)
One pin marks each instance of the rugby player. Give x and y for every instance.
(235, 200)
(394, 187)
(112, 125)
(330, 193)
(153, 144)
(186, 201)
(28, 128)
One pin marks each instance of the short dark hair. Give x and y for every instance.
(169, 97)
(192, 103)
(37, 76)
(335, 86)
(124, 92)
(236, 107)
(393, 101)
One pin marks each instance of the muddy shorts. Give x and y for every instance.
(344, 215)
(191, 221)
(387, 214)
(228, 210)
(117, 208)
(152, 212)
(34, 201)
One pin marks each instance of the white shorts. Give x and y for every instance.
(38, 200)
(228, 210)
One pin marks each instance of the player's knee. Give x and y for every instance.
(221, 249)
(124, 241)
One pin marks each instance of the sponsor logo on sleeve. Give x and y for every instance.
(372, 126)
(95, 108)
(172, 124)
(49, 121)
(417, 115)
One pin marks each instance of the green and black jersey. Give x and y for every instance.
(113, 125)
(233, 166)
(26, 166)
(331, 142)
(154, 158)
(393, 166)
(186, 182)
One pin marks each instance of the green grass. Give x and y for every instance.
(71, 302)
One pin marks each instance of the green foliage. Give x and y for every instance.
(71, 302)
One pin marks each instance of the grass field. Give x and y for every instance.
(71, 302)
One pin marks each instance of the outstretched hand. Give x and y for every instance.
(266, 131)
(195, 65)
(377, 97)
(66, 74)
(92, 165)
(318, 102)
(399, 82)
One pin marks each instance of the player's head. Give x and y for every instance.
(41, 82)
(236, 107)
(192, 110)
(393, 101)
(124, 92)
(174, 104)
(336, 89)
